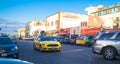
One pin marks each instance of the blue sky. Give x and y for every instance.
(26, 10)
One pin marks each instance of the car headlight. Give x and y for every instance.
(15, 48)
(43, 44)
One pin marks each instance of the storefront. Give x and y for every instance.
(89, 31)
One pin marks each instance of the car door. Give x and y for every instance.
(117, 41)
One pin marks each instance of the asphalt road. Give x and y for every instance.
(69, 54)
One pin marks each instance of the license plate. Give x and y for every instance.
(53, 48)
(4, 54)
(1, 51)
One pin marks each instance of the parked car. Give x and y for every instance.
(20, 38)
(8, 48)
(61, 40)
(81, 40)
(107, 43)
(89, 40)
(73, 39)
(13, 61)
(46, 44)
(66, 40)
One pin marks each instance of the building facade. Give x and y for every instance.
(34, 28)
(62, 20)
(110, 16)
(21, 32)
(71, 23)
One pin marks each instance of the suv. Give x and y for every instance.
(107, 43)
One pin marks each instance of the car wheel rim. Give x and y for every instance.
(109, 54)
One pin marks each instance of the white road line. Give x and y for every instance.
(89, 57)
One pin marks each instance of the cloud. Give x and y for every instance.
(90, 9)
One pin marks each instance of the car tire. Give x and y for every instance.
(16, 56)
(41, 48)
(34, 47)
(109, 53)
(58, 50)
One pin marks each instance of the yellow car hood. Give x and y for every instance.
(50, 42)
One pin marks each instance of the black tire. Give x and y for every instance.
(16, 56)
(41, 48)
(58, 50)
(34, 47)
(109, 53)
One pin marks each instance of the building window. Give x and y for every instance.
(99, 13)
(84, 24)
(52, 23)
(118, 9)
(102, 12)
(56, 22)
(105, 11)
(48, 24)
(112, 10)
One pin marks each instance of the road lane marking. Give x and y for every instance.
(89, 58)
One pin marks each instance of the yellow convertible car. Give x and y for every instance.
(46, 44)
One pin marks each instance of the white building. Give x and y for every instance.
(35, 27)
(110, 16)
(62, 20)
(92, 9)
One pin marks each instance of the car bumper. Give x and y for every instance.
(7, 54)
(51, 48)
(96, 49)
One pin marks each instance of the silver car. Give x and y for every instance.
(107, 43)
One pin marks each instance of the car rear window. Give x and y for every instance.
(106, 36)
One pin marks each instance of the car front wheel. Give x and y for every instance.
(109, 53)
(16, 55)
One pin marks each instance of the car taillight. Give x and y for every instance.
(93, 41)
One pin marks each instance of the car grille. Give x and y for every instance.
(52, 45)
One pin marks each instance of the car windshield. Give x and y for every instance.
(5, 41)
(90, 37)
(47, 39)
(82, 37)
